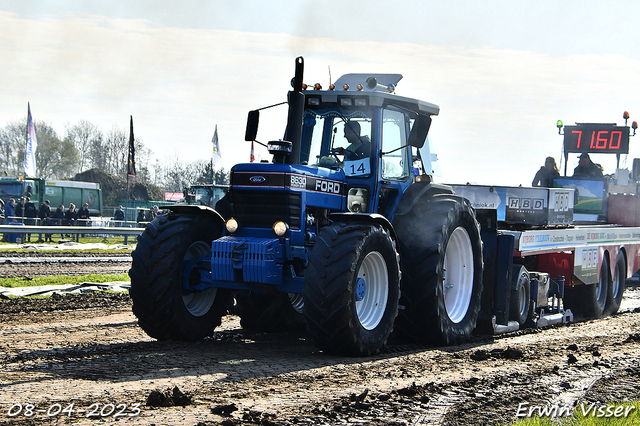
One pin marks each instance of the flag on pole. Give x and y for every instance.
(253, 158)
(215, 160)
(131, 163)
(32, 145)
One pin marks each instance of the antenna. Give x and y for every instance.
(329, 66)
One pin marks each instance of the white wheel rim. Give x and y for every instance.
(372, 302)
(297, 302)
(198, 303)
(458, 275)
(522, 302)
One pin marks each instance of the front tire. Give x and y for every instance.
(352, 287)
(442, 269)
(164, 308)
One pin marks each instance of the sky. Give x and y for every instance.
(502, 72)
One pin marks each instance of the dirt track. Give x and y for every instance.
(87, 350)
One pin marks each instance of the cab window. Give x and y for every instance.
(395, 164)
(339, 138)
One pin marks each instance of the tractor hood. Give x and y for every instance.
(288, 176)
(265, 189)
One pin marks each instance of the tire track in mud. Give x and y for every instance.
(37, 264)
(88, 349)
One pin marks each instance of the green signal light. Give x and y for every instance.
(559, 124)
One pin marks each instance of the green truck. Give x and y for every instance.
(56, 191)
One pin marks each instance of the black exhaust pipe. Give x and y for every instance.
(293, 132)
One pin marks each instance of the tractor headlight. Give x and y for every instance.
(280, 228)
(231, 225)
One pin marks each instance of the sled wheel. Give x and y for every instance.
(164, 308)
(352, 286)
(270, 312)
(616, 289)
(521, 296)
(588, 301)
(441, 251)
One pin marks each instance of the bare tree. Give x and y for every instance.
(173, 175)
(116, 146)
(143, 159)
(13, 143)
(84, 135)
(55, 158)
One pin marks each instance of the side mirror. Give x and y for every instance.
(252, 125)
(419, 131)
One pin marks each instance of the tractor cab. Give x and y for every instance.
(361, 127)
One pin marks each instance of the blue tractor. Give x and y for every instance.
(342, 233)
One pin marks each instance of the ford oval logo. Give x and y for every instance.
(257, 179)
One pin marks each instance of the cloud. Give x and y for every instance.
(498, 106)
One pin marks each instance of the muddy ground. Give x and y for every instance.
(82, 359)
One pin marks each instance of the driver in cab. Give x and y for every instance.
(359, 146)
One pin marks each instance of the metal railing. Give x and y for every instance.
(83, 227)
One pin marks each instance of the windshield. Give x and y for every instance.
(339, 138)
(10, 190)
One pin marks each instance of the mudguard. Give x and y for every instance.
(376, 218)
(199, 210)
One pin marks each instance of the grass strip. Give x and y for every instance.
(61, 280)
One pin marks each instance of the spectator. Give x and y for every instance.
(9, 211)
(70, 215)
(152, 213)
(19, 210)
(45, 212)
(57, 218)
(83, 216)
(587, 168)
(546, 174)
(119, 216)
(8, 216)
(140, 217)
(31, 213)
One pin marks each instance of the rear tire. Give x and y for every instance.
(521, 297)
(589, 301)
(164, 309)
(352, 287)
(442, 269)
(617, 285)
